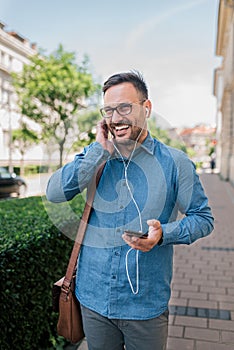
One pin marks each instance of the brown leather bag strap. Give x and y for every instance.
(81, 230)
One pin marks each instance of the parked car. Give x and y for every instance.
(11, 185)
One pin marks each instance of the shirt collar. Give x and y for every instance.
(148, 144)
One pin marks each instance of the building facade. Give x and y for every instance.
(202, 140)
(15, 51)
(224, 90)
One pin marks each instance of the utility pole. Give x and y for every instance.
(10, 166)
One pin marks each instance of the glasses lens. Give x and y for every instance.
(106, 112)
(124, 108)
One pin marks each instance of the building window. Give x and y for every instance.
(17, 65)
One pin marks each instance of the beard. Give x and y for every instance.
(128, 141)
(125, 131)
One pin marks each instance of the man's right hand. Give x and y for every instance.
(102, 136)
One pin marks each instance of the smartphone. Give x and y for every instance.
(107, 130)
(136, 234)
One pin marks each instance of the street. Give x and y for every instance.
(36, 184)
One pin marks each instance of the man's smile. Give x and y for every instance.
(121, 130)
(121, 127)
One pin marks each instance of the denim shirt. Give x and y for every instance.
(158, 183)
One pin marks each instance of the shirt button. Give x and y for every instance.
(117, 253)
(121, 207)
(114, 277)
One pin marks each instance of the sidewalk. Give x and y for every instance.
(202, 302)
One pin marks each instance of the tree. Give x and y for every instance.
(51, 90)
(22, 139)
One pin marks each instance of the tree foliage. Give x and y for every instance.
(51, 90)
(23, 138)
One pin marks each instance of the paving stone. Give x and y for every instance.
(231, 291)
(224, 315)
(222, 297)
(220, 277)
(213, 313)
(200, 333)
(180, 281)
(226, 306)
(201, 345)
(181, 310)
(175, 294)
(191, 311)
(178, 301)
(227, 337)
(221, 325)
(200, 276)
(194, 295)
(212, 289)
(226, 284)
(203, 283)
(185, 287)
(179, 344)
(201, 312)
(191, 321)
(175, 331)
(203, 304)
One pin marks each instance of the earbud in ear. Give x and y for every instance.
(147, 112)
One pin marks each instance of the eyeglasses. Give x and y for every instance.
(122, 109)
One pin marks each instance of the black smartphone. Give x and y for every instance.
(136, 234)
(107, 129)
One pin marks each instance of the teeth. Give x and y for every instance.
(122, 127)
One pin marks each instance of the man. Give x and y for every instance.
(124, 280)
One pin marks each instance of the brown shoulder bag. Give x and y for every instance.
(63, 293)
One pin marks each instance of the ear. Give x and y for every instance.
(148, 107)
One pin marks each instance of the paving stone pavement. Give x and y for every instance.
(202, 300)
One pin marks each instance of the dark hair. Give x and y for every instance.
(133, 77)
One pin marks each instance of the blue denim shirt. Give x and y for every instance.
(159, 182)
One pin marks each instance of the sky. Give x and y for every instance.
(171, 42)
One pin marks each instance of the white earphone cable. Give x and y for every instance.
(134, 291)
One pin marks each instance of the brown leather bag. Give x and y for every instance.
(70, 321)
(63, 293)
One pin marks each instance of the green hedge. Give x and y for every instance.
(34, 169)
(33, 255)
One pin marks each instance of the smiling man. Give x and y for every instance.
(125, 264)
(125, 111)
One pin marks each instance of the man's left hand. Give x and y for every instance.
(146, 244)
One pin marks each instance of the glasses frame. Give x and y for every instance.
(112, 109)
